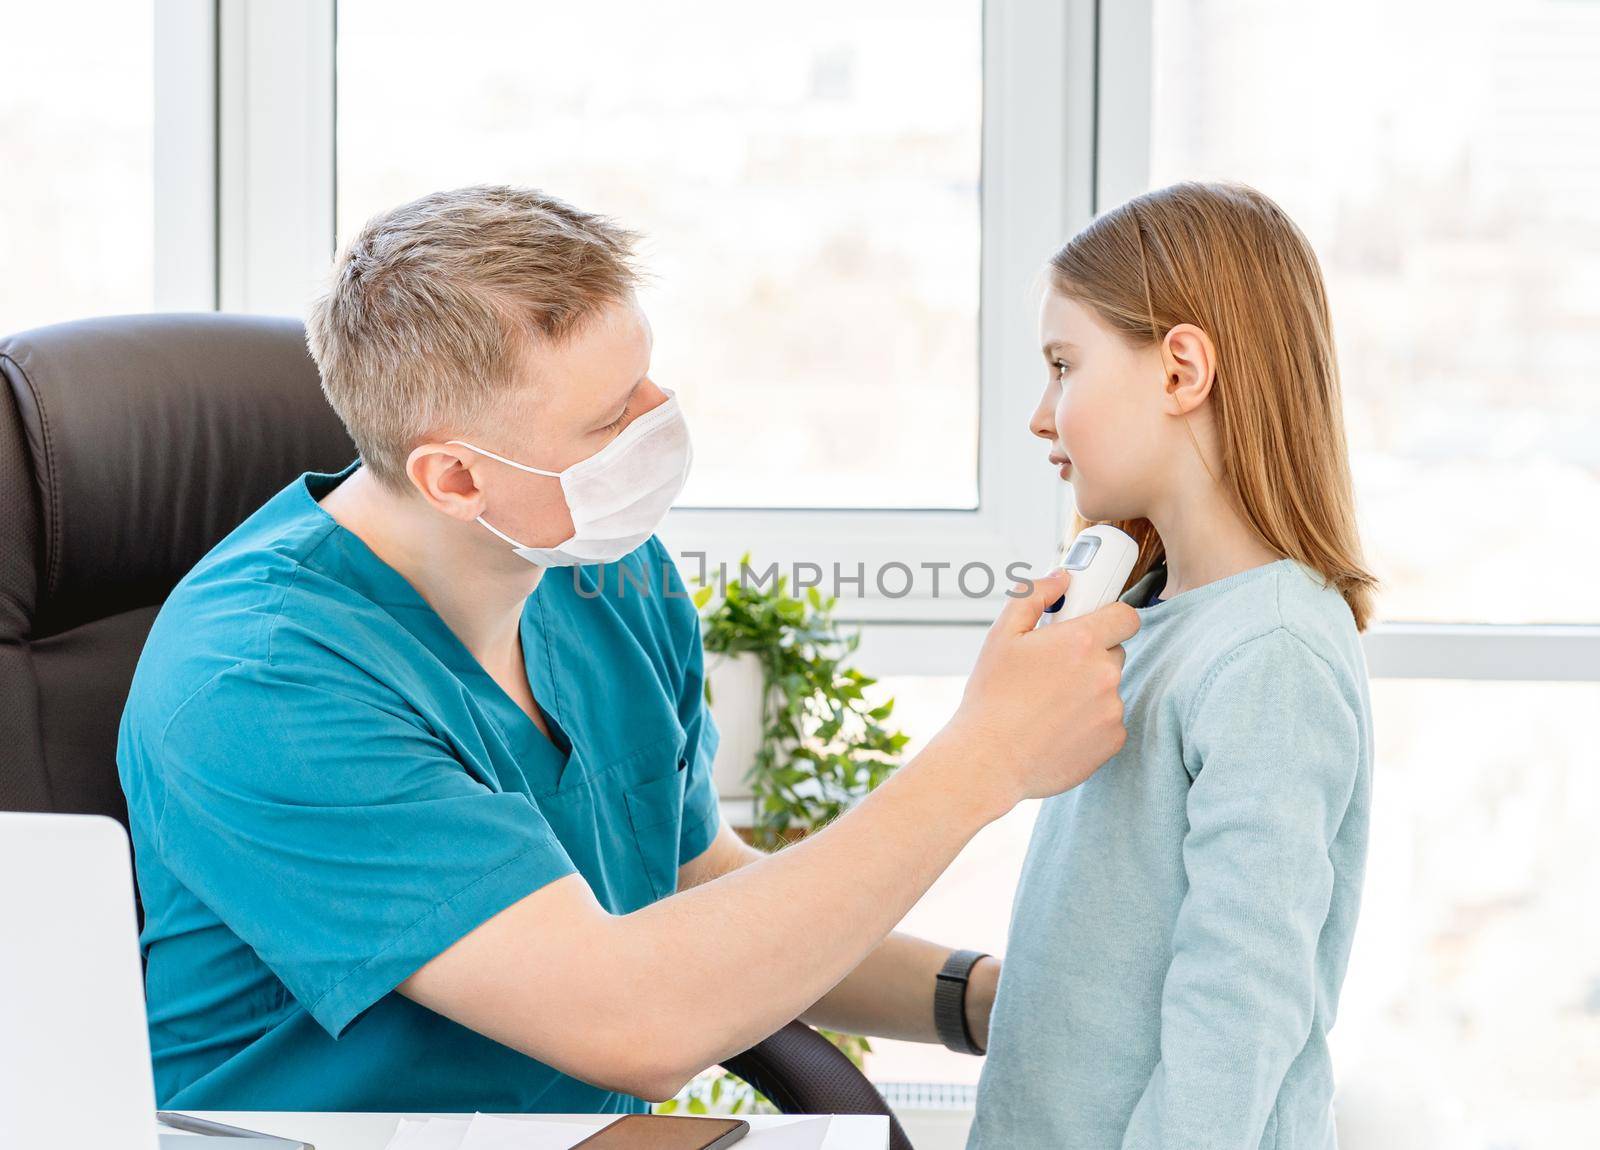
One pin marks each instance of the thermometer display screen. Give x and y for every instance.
(1081, 552)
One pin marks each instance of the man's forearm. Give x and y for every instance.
(788, 929)
(890, 994)
(653, 997)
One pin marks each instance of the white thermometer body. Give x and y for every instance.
(1100, 559)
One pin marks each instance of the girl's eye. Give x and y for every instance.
(617, 422)
(1061, 370)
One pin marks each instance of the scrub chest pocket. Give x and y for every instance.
(622, 825)
(655, 809)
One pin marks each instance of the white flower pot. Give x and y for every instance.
(736, 707)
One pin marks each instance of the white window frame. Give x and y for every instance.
(246, 100)
(185, 159)
(275, 167)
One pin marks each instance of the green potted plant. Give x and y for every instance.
(801, 738)
(820, 742)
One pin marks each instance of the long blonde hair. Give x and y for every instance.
(1226, 258)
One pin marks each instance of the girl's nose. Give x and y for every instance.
(1043, 421)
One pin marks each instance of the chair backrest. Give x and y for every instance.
(128, 447)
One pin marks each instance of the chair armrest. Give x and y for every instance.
(801, 1072)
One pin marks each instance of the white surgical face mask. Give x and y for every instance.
(619, 495)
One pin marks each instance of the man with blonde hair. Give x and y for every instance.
(419, 827)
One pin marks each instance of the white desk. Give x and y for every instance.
(373, 1131)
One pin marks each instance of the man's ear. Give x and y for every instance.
(443, 474)
(1190, 362)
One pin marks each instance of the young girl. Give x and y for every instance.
(1184, 917)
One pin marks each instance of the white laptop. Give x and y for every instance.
(74, 1048)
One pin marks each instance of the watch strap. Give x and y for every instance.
(950, 1001)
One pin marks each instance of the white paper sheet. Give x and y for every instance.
(491, 1133)
(429, 1134)
(800, 1134)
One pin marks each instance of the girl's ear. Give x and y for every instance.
(1190, 363)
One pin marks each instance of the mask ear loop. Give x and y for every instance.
(503, 459)
(480, 520)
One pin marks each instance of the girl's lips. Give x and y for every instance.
(1066, 471)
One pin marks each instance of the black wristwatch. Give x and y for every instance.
(950, 1001)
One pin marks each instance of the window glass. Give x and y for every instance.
(1444, 160)
(807, 178)
(77, 131)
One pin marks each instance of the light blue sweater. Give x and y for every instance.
(1184, 917)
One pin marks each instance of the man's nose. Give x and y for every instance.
(651, 395)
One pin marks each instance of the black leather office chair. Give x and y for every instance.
(128, 447)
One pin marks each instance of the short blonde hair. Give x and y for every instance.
(433, 306)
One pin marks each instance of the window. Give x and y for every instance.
(807, 181)
(1471, 1013)
(1444, 161)
(969, 905)
(77, 118)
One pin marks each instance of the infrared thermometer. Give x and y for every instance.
(1100, 559)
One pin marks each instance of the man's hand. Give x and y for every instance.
(1048, 697)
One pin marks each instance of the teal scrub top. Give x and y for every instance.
(325, 790)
